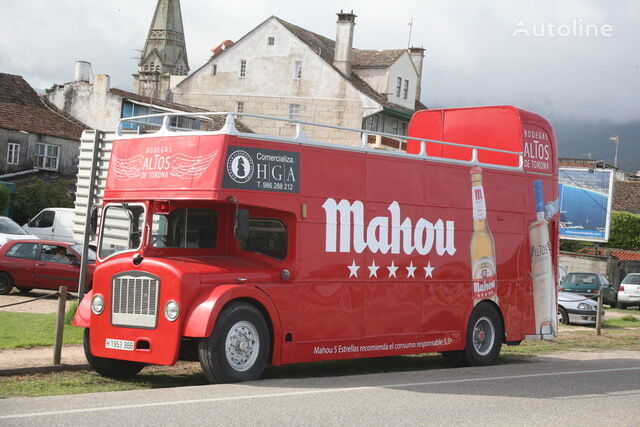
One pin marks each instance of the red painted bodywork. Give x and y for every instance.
(322, 311)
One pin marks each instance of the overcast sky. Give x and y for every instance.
(532, 54)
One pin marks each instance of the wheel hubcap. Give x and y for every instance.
(484, 335)
(242, 346)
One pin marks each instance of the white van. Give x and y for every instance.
(52, 224)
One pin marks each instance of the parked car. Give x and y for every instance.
(52, 224)
(629, 291)
(42, 264)
(576, 309)
(588, 284)
(9, 230)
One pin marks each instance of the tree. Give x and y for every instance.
(37, 195)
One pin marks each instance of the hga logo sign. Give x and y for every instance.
(240, 166)
(259, 169)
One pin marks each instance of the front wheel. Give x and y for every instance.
(483, 339)
(6, 284)
(238, 348)
(113, 368)
(563, 316)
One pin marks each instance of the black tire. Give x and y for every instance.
(622, 306)
(6, 283)
(563, 316)
(241, 361)
(24, 290)
(615, 304)
(483, 341)
(113, 368)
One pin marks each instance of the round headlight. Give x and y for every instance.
(97, 304)
(171, 310)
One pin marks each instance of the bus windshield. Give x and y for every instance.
(192, 228)
(122, 226)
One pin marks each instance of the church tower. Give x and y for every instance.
(163, 62)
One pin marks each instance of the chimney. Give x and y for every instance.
(417, 56)
(102, 84)
(344, 40)
(82, 72)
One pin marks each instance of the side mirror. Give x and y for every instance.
(242, 224)
(93, 219)
(75, 263)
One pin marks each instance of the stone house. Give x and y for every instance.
(282, 70)
(34, 135)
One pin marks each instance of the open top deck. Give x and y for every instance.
(180, 163)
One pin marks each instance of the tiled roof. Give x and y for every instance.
(22, 109)
(324, 47)
(621, 254)
(626, 196)
(218, 121)
(375, 58)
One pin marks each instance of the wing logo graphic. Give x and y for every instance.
(177, 165)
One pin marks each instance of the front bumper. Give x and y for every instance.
(583, 317)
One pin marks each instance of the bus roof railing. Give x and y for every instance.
(164, 127)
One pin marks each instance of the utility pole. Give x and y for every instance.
(616, 139)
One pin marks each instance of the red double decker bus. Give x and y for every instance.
(247, 250)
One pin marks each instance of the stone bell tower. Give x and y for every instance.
(163, 62)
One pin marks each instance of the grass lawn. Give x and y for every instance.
(21, 330)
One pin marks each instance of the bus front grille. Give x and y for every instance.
(134, 300)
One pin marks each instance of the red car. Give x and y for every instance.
(42, 264)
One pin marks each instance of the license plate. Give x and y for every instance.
(119, 344)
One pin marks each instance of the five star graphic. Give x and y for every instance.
(411, 270)
(428, 270)
(353, 269)
(393, 270)
(373, 270)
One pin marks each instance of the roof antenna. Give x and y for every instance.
(410, 28)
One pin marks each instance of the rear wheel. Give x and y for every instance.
(238, 348)
(622, 306)
(6, 283)
(113, 368)
(483, 339)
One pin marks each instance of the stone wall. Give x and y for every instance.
(577, 263)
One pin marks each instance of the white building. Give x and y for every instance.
(283, 70)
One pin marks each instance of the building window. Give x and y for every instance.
(294, 111)
(399, 87)
(271, 41)
(405, 92)
(394, 127)
(297, 70)
(47, 156)
(240, 107)
(214, 69)
(13, 154)
(243, 67)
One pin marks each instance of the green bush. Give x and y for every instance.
(5, 198)
(625, 231)
(37, 195)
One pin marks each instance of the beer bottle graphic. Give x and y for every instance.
(542, 272)
(483, 259)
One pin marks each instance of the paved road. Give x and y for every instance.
(544, 391)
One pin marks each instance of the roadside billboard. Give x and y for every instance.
(585, 203)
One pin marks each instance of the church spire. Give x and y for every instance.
(164, 51)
